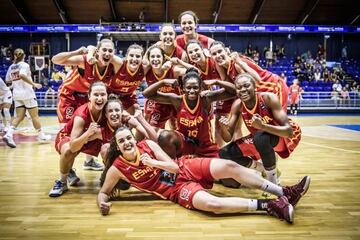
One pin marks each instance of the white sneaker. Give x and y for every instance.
(72, 178)
(44, 138)
(9, 140)
(58, 189)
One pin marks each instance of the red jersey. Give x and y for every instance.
(195, 124)
(181, 42)
(91, 147)
(268, 118)
(210, 71)
(295, 91)
(81, 79)
(107, 132)
(144, 177)
(231, 73)
(177, 52)
(126, 82)
(152, 78)
(269, 82)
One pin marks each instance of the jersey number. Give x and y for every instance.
(192, 133)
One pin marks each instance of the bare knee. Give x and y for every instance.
(214, 205)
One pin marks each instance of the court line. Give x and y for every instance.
(333, 148)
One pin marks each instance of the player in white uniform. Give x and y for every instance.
(5, 104)
(19, 75)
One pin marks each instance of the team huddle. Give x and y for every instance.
(169, 147)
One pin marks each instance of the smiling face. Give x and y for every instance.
(188, 25)
(134, 57)
(192, 89)
(195, 52)
(156, 58)
(245, 88)
(98, 97)
(219, 54)
(113, 113)
(106, 53)
(126, 142)
(167, 35)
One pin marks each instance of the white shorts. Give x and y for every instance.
(27, 103)
(7, 98)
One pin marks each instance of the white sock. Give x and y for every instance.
(1, 119)
(252, 204)
(63, 177)
(7, 116)
(271, 175)
(10, 131)
(270, 187)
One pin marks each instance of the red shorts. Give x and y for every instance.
(294, 98)
(284, 147)
(224, 107)
(92, 148)
(194, 175)
(68, 102)
(128, 100)
(157, 113)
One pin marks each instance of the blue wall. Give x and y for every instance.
(298, 43)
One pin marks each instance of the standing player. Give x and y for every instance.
(295, 92)
(19, 75)
(97, 65)
(5, 104)
(168, 43)
(193, 111)
(188, 21)
(270, 129)
(185, 181)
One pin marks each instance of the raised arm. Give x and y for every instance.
(150, 130)
(245, 67)
(74, 58)
(284, 130)
(162, 161)
(151, 92)
(212, 96)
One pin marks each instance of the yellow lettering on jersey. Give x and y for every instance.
(191, 123)
(127, 83)
(141, 172)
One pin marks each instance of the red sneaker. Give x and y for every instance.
(295, 192)
(281, 208)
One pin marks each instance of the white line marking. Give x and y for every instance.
(333, 148)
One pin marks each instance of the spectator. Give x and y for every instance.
(249, 50)
(142, 16)
(345, 97)
(309, 72)
(268, 57)
(354, 87)
(44, 75)
(334, 76)
(335, 96)
(3, 51)
(326, 75)
(56, 76)
(50, 94)
(9, 53)
(344, 52)
(337, 86)
(298, 60)
(256, 55)
(281, 53)
(320, 51)
(317, 74)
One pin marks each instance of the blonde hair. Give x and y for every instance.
(19, 55)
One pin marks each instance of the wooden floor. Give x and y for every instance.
(330, 210)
